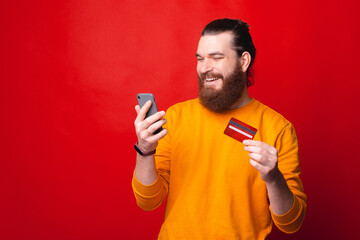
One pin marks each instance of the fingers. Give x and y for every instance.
(257, 165)
(152, 128)
(149, 131)
(141, 122)
(259, 147)
(141, 113)
(267, 173)
(264, 170)
(252, 142)
(256, 143)
(137, 109)
(150, 124)
(264, 160)
(145, 127)
(149, 141)
(152, 119)
(263, 156)
(157, 137)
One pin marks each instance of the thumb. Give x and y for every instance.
(137, 109)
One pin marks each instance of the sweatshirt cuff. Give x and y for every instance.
(291, 221)
(146, 190)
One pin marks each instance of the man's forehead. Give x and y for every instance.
(210, 43)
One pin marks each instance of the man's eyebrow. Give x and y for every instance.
(212, 54)
(216, 53)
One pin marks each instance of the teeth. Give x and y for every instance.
(211, 79)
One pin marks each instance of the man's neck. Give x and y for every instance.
(243, 100)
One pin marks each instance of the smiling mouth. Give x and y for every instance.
(211, 79)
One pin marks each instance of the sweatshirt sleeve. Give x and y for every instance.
(289, 165)
(149, 197)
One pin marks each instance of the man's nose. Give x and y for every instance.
(206, 66)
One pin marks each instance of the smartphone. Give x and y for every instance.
(142, 99)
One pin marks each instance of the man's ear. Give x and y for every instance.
(245, 60)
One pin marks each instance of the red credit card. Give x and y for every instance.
(239, 130)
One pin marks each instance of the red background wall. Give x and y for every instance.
(69, 74)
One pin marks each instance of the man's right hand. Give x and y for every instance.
(145, 128)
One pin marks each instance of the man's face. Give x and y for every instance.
(216, 59)
(221, 81)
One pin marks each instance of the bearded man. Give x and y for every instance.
(228, 164)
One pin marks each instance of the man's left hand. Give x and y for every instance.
(264, 158)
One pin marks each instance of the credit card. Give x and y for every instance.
(239, 130)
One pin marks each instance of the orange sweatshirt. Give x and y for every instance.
(213, 191)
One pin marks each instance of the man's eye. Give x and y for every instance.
(218, 58)
(200, 59)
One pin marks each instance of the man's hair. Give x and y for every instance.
(242, 40)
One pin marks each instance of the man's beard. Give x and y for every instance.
(221, 100)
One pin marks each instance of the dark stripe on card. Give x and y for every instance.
(242, 127)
